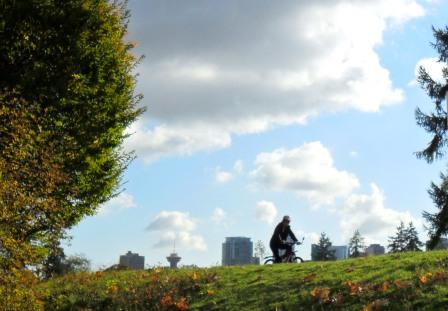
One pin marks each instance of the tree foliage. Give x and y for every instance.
(323, 249)
(438, 222)
(58, 264)
(405, 239)
(66, 98)
(413, 243)
(356, 245)
(436, 124)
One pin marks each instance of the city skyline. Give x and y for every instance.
(257, 111)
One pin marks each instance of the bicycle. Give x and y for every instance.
(288, 257)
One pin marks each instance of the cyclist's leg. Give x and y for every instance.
(274, 249)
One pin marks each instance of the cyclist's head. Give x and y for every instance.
(286, 219)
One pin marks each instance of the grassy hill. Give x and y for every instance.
(408, 281)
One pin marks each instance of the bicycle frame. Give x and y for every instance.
(288, 257)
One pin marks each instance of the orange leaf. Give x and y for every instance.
(321, 293)
(353, 288)
(309, 277)
(167, 300)
(324, 294)
(399, 284)
(425, 278)
(182, 304)
(385, 286)
(315, 292)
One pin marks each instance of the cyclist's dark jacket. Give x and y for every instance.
(280, 234)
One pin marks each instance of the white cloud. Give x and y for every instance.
(120, 202)
(266, 211)
(368, 214)
(222, 176)
(238, 167)
(162, 141)
(182, 239)
(218, 215)
(307, 170)
(176, 227)
(214, 70)
(432, 66)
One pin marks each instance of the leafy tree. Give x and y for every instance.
(323, 249)
(436, 124)
(260, 250)
(397, 243)
(356, 245)
(406, 239)
(413, 243)
(438, 222)
(66, 98)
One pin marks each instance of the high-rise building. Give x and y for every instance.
(173, 259)
(237, 251)
(340, 252)
(132, 260)
(375, 249)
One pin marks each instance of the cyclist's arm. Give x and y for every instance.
(292, 235)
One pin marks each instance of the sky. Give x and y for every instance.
(259, 109)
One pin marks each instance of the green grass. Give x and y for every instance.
(407, 281)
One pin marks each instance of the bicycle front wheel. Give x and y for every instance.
(298, 259)
(269, 261)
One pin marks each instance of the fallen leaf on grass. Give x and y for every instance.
(210, 292)
(112, 289)
(167, 301)
(182, 304)
(425, 278)
(309, 277)
(440, 276)
(354, 288)
(321, 293)
(400, 284)
(384, 287)
(376, 305)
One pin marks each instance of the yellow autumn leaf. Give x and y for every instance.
(375, 305)
(112, 289)
(385, 286)
(194, 276)
(210, 292)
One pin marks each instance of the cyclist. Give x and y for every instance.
(279, 237)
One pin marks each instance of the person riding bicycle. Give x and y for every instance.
(279, 237)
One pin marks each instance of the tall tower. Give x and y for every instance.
(173, 258)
